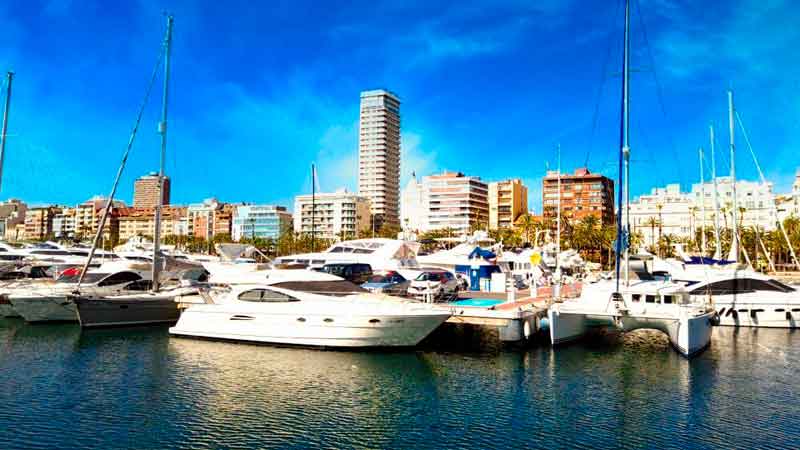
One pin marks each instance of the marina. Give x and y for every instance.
(440, 292)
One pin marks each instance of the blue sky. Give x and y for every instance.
(262, 89)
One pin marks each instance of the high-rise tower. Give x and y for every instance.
(379, 155)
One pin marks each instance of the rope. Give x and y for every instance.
(603, 78)
(659, 90)
(110, 202)
(764, 180)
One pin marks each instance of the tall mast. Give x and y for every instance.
(735, 239)
(9, 78)
(718, 249)
(162, 129)
(313, 205)
(702, 207)
(558, 217)
(624, 147)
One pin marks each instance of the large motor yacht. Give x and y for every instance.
(334, 313)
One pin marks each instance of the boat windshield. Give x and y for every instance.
(336, 288)
(90, 278)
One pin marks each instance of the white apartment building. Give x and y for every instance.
(681, 214)
(666, 210)
(412, 207)
(337, 215)
(448, 200)
(379, 155)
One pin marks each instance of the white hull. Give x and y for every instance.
(688, 334)
(45, 308)
(346, 331)
(761, 314)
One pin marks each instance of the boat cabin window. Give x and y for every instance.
(335, 288)
(120, 278)
(741, 286)
(266, 296)
(139, 285)
(636, 297)
(667, 299)
(650, 298)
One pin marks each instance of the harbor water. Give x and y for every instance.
(139, 388)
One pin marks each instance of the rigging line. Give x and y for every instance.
(598, 96)
(764, 180)
(659, 89)
(110, 201)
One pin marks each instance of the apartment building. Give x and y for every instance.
(39, 222)
(337, 215)
(145, 191)
(64, 223)
(12, 213)
(454, 201)
(260, 221)
(89, 214)
(508, 200)
(141, 222)
(412, 206)
(379, 155)
(582, 194)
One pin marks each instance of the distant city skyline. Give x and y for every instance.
(487, 90)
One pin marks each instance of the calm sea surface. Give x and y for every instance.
(138, 388)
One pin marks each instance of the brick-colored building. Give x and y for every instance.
(507, 201)
(39, 222)
(582, 194)
(145, 191)
(141, 222)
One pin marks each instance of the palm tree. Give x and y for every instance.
(652, 222)
(659, 206)
(527, 225)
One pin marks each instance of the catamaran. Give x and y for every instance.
(628, 304)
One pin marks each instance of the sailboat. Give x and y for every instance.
(642, 302)
(156, 306)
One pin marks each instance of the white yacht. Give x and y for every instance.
(48, 301)
(334, 313)
(745, 298)
(380, 253)
(659, 305)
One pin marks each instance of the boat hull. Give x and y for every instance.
(350, 331)
(112, 312)
(689, 335)
(44, 308)
(7, 310)
(763, 315)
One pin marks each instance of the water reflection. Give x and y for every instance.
(139, 388)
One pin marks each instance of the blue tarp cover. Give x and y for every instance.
(481, 253)
(704, 260)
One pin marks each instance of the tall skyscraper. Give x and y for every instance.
(379, 155)
(145, 191)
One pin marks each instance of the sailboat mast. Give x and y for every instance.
(718, 250)
(9, 78)
(702, 207)
(314, 206)
(735, 239)
(624, 148)
(162, 129)
(558, 217)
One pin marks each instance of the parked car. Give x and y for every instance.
(438, 285)
(391, 283)
(353, 272)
